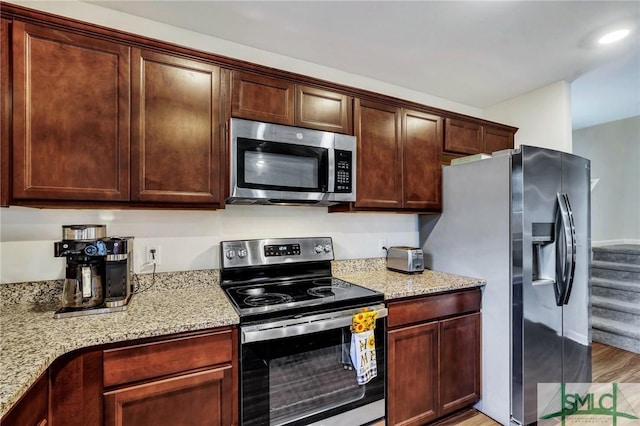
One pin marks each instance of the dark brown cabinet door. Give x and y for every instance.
(422, 172)
(76, 389)
(33, 407)
(379, 155)
(175, 143)
(5, 111)
(323, 110)
(460, 362)
(463, 137)
(70, 116)
(496, 139)
(257, 97)
(412, 376)
(200, 398)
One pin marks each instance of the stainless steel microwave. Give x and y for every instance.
(276, 164)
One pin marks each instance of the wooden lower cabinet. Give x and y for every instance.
(186, 380)
(75, 397)
(433, 357)
(32, 408)
(200, 398)
(412, 380)
(459, 362)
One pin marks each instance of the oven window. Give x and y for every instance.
(281, 166)
(306, 378)
(313, 381)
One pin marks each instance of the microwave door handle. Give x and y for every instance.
(331, 181)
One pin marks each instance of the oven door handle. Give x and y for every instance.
(308, 325)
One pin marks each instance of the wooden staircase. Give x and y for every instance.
(615, 296)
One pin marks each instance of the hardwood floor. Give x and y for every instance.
(608, 365)
(611, 364)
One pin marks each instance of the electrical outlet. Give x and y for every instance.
(153, 255)
(382, 242)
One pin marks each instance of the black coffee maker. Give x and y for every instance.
(98, 270)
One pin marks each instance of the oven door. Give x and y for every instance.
(299, 372)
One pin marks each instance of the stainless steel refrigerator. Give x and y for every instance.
(521, 220)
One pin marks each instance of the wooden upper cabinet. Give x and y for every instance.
(175, 142)
(422, 173)
(496, 139)
(257, 97)
(379, 155)
(323, 110)
(70, 116)
(5, 112)
(463, 137)
(274, 100)
(466, 137)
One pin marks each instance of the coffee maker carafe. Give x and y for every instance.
(97, 277)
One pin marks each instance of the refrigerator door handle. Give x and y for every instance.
(565, 250)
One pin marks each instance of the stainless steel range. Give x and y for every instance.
(295, 335)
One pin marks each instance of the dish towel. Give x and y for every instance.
(363, 346)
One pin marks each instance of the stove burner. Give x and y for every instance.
(267, 299)
(324, 291)
(253, 291)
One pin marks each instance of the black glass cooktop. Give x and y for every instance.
(307, 294)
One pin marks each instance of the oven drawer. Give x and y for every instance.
(149, 360)
(433, 307)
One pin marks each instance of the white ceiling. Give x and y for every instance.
(477, 53)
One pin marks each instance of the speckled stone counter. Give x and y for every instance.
(177, 302)
(31, 339)
(396, 285)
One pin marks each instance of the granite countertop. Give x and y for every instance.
(31, 339)
(396, 285)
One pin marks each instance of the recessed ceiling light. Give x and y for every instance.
(613, 36)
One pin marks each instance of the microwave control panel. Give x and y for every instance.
(344, 169)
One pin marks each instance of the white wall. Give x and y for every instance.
(614, 151)
(190, 240)
(543, 117)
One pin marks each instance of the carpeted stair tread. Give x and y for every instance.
(616, 327)
(619, 248)
(615, 266)
(616, 305)
(622, 253)
(616, 284)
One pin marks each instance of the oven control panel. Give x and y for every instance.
(282, 250)
(273, 251)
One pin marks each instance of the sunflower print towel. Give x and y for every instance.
(363, 346)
